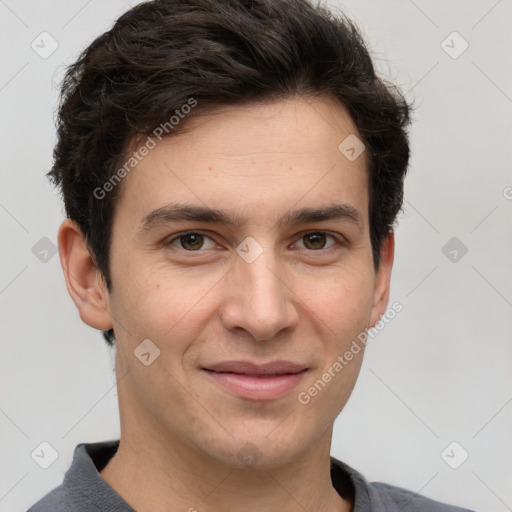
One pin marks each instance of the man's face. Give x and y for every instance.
(296, 292)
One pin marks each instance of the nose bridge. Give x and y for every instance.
(265, 288)
(260, 300)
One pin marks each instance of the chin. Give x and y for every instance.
(256, 449)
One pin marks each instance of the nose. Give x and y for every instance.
(258, 299)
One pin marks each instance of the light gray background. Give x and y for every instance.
(440, 372)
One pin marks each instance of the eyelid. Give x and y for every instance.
(177, 236)
(338, 238)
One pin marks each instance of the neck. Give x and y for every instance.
(155, 474)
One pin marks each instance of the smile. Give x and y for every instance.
(256, 382)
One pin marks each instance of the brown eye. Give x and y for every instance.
(318, 240)
(315, 240)
(191, 241)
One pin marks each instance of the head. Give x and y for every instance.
(244, 115)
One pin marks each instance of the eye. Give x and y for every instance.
(190, 241)
(194, 241)
(316, 240)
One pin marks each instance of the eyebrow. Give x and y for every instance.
(187, 212)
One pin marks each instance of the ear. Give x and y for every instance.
(84, 282)
(383, 278)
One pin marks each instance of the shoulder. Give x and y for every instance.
(56, 500)
(405, 499)
(83, 489)
(382, 497)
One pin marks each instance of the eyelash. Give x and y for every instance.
(340, 242)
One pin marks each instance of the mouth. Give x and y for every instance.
(251, 381)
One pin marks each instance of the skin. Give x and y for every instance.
(181, 433)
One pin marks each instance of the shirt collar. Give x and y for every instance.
(90, 458)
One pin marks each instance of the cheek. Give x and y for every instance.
(342, 303)
(162, 305)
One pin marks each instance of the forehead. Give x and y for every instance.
(257, 159)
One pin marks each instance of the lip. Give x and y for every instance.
(252, 381)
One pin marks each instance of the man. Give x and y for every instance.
(231, 173)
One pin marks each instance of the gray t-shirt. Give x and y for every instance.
(84, 490)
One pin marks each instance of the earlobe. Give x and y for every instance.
(83, 280)
(383, 279)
